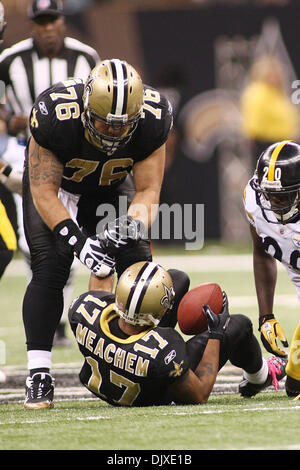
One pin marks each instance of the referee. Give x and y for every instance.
(27, 68)
(34, 64)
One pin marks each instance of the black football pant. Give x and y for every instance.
(51, 262)
(5, 257)
(239, 346)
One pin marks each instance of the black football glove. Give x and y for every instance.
(217, 324)
(270, 329)
(122, 232)
(90, 251)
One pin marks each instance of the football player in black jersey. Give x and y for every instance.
(133, 356)
(27, 68)
(87, 140)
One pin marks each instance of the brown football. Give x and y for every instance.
(190, 314)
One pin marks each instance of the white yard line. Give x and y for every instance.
(172, 412)
(222, 411)
(191, 263)
(251, 301)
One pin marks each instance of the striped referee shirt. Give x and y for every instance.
(26, 73)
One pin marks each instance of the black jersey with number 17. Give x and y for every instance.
(55, 123)
(120, 369)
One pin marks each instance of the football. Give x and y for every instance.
(190, 315)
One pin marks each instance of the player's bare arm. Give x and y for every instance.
(265, 275)
(195, 387)
(45, 174)
(207, 368)
(148, 175)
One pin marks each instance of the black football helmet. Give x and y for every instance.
(277, 182)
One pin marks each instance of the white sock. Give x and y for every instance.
(259, 377)
(38, 359)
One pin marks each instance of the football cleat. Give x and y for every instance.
(292, 387)
(276, 366)
(39, 391)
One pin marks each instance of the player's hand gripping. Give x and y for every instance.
(95, 257)
(90, 251)
(217, 324)
(270, 329)
(122, 232)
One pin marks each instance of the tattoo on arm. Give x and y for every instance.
(206, 368)
(44, 168)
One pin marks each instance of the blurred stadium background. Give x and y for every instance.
(201, 53)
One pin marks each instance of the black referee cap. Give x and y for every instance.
(45, 7)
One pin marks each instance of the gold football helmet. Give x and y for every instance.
(144, 293)
(112, 100)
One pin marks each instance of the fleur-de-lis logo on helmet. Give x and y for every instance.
(113, 96)
(168, 298)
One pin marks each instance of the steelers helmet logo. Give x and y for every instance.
(296, 240)
(43, 4)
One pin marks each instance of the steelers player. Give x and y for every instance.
(8, 246)
(94, 145)
(272, 204)
(8, 241)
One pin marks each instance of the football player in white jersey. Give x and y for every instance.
(272, 205)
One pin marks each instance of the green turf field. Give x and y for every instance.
(269, 421)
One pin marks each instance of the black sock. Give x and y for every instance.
(42, 310)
